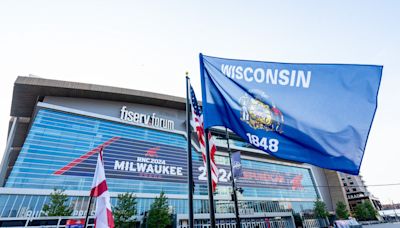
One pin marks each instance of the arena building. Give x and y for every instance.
(56, 128)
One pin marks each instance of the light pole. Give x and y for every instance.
(234, 193)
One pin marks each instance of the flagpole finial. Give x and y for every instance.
(187, 74)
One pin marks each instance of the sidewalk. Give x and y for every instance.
(383, 225)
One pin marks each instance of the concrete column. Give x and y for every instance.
(7, 151)
(336, 190)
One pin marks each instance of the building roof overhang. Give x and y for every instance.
(29, 90)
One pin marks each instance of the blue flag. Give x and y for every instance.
(236, 165)
(319, 114)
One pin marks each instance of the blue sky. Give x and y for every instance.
(148, 45)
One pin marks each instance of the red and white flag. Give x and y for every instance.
(197, 122)
(103, 216)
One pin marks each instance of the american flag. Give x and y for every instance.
(197, 122)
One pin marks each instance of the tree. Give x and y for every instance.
(57, 205)
(320, 209)
(125, 210)
(158, 215)
(321, 213)
(360, 212)
(365, 211)
(371, 210)
(341, 210)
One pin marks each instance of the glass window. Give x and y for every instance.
(8, 205)
(16, 205)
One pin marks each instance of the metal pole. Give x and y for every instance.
(210, 191)
(234, 193)
(88, 211)
(189, 152)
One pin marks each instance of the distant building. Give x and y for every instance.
(390, 206)
(357, 192)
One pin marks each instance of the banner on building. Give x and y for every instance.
(132, 159)
(314, 113)
(236, 165)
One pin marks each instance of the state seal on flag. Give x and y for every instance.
(259, 112)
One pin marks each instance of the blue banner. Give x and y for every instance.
(319, 114)
(130, 159)
(141, 160)
(236, 165)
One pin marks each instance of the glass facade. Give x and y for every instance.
(56, 139)
(31, 205)
(59, 152)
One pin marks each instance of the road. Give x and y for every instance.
(384, 225)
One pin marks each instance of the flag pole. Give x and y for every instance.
(210, 190)
(189, 153)
(234, 193)
(207, 150)
(90, 201)
(88, 211)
